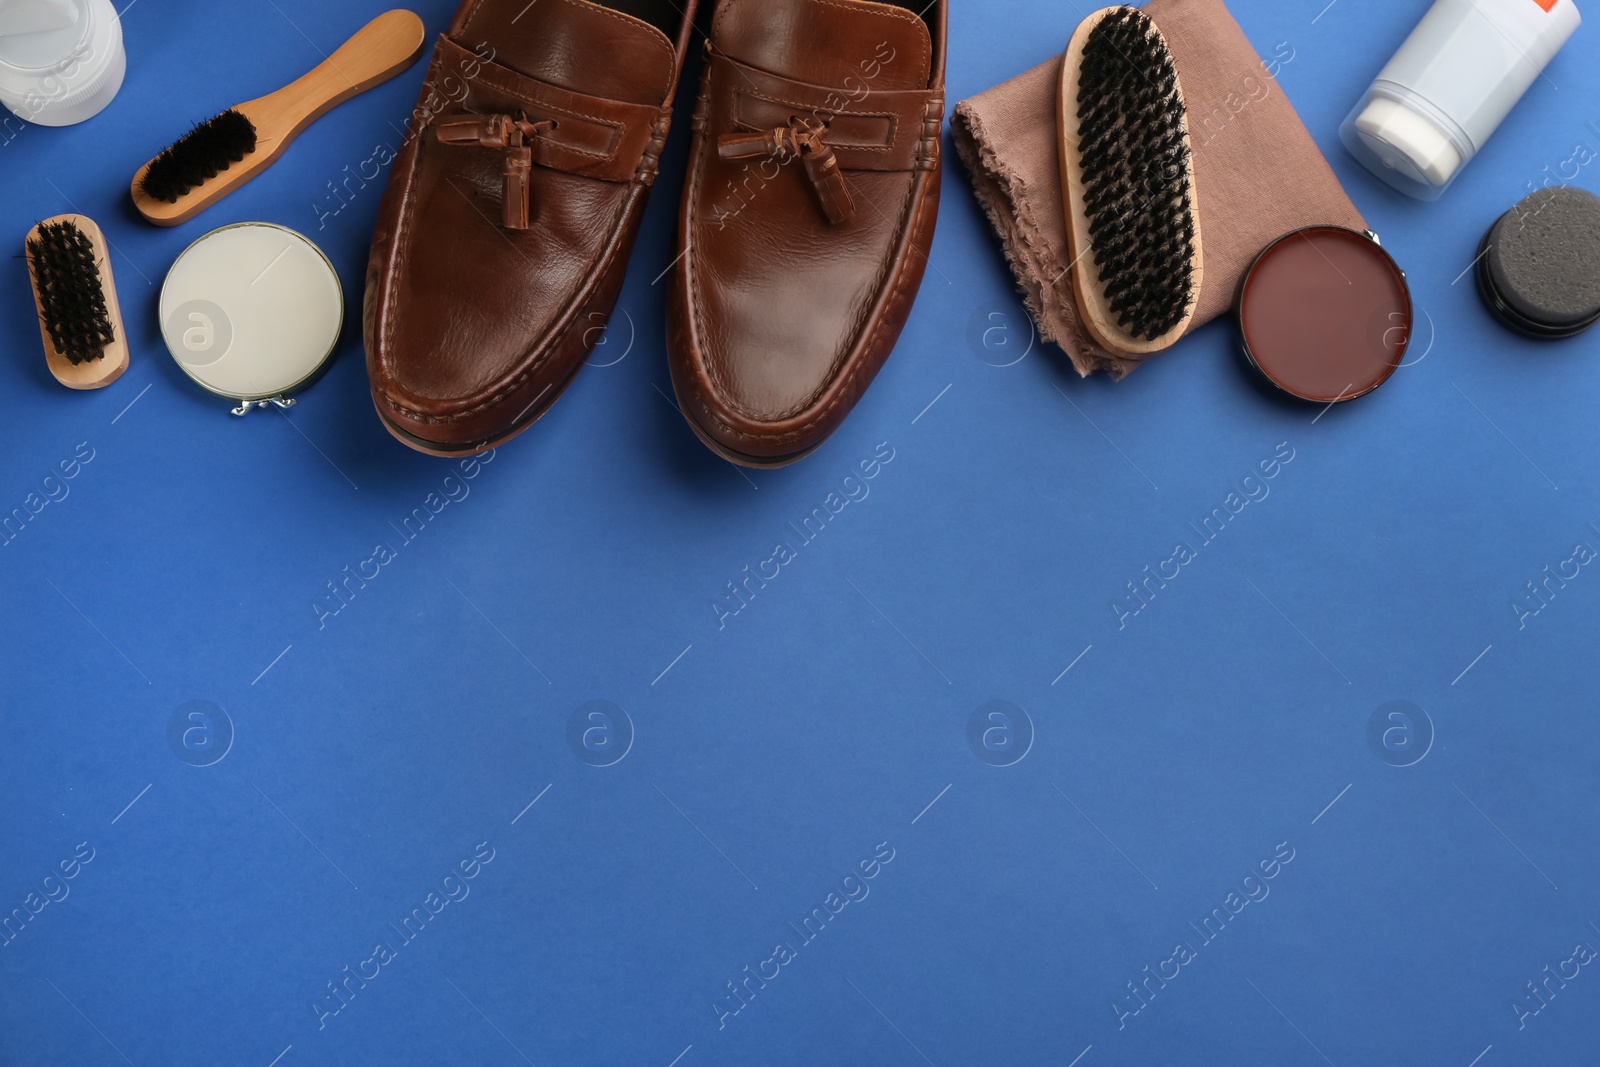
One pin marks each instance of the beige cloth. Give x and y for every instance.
(1258, 173)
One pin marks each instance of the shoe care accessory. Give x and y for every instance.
(1539, 265)
(1132, 224)
(1257, 173)
(1446, 91)
(84, 342)
(61, 61)
(223, 153)
(252, 312)
(1324, 314)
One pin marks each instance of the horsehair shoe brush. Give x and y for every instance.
(221, 154)
(70, 267)
(1127, 169)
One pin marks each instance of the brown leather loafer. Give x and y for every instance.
(807, 216)
(506, 226)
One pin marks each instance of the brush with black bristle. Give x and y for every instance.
(198, 156)
(1128, 175)
(76, 297)
(221, 154)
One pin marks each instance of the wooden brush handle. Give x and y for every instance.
(381, 49)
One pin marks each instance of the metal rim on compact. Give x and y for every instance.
(315, 366)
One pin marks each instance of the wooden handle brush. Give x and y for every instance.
(223, 153)
(1127, 175)
(70, 266)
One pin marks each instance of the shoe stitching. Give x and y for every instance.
(657, 37)
(900, 264)
(853, 334)
(854, 8)
(403, 240)
(848, 391)
(894, 120)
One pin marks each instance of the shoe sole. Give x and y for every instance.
(443, 451)
(741, 459)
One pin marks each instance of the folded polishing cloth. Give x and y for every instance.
(1258, 173)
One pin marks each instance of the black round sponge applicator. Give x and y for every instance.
(1539, 265)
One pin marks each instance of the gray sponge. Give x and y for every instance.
(1539, 266)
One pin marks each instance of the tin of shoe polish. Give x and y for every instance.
(252, 312)
(1324, 314)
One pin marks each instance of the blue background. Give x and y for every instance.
(763, 759)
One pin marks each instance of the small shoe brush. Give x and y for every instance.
(223, 153)
(1127, 170)
(84, 342)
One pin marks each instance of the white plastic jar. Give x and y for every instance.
(67, 73)
(1449, 87)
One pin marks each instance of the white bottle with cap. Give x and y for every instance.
(61, 61)
(1457, 76)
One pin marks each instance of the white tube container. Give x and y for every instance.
(67, 74)
(1449, 87)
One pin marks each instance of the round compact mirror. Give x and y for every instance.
(252, 312)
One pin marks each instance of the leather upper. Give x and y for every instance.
(504, 232)
(807, 215)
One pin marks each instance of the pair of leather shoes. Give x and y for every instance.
(807, 216)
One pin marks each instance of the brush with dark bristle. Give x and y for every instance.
(198, 156)
(76, 297)
(1128, 171)
(221, 154)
